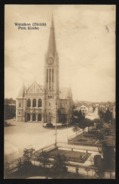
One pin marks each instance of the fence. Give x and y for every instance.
(72, 166)
(78, 147)
(47, 148)
(12, 166)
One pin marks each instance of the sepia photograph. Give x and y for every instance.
(59, 91)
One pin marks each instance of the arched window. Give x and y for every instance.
(39, 103)
(39, 117)
(34, 102)
(33, 117)
(28, 117)
(28, 103)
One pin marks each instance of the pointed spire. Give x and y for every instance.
(52, 22)
(22, 91)
(52, 42)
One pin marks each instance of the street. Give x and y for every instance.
(26, 135)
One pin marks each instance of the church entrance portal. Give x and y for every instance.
(28, 117)
(33, 117)
(39, 117)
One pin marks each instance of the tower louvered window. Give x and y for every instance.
(52, 75)
(50, 79)
(47, 75)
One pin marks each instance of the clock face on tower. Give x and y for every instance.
(50, 61)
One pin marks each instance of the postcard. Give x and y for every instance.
(60, 113)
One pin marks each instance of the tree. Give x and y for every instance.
(59, 164)
(26, 164)
(75, 129)
(44, 160)
(80, 121)
(75, 117)
(108, 116)
(99, 125)
(106, 130)
(101, 115)
(105, 116)
(28, 154)
(98, 163)
(62, 117)
(96, 120)
(9, 111)
(82, 125)
(81, 116)
(99, 135)
(88, 123)
(108, 156)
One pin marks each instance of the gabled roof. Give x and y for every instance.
(64, 93)
(35, 88)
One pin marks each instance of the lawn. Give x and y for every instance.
(84, 139)
(70, 155)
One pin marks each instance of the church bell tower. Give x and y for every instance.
(51, 79)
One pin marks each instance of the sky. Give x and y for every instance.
(85, 40)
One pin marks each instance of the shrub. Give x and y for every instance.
(98, 162)
(59, 164)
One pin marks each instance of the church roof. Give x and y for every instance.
(64, 93)
(35, 88)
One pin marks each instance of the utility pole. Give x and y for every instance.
(56, 125)
(67, 122)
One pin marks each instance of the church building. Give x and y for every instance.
(46, 104)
